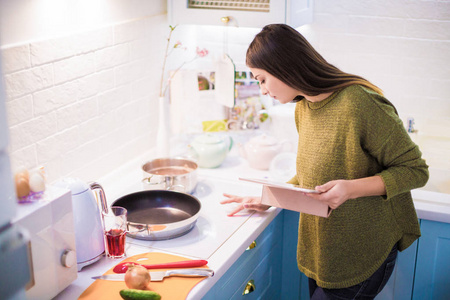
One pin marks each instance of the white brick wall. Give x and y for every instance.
(83, 104)
(403, 46)
(86, 103)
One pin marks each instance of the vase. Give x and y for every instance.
(163, 134)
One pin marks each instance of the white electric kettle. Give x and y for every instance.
(89, 239)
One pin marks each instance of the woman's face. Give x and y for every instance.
(274, 87)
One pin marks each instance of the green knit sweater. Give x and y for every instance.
(355, 133)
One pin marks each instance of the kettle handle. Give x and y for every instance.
(94, 186)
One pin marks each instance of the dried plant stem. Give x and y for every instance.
(164, 85)
(161, 92)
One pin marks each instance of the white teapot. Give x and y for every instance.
(211, 150)
(261, 149)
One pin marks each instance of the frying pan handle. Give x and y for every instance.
(96, 186)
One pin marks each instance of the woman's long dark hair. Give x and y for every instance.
(284, 53)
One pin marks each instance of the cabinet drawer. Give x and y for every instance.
(262, 264)
(266, 279)
(267, 239)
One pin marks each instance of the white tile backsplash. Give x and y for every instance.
(47, 51)
(48, 100)
(85, 103)
(28, 80)
(74, 67)
(20, 110)
(402, 46)
(81, 104)
(16, 58)
(112, 56)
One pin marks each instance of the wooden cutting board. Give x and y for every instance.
(171, 288)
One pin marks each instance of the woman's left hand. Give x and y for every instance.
(333, 193)
(336, 192)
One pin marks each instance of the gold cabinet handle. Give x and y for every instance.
(252, 245)
(249, 287)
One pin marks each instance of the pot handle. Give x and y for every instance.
(148, 180)
(96, 186)
(170, 186)
(177, 188)
(166, 181)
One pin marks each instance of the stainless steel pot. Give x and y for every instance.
(177, 174)
(159, 214)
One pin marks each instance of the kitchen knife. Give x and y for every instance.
(122, 267)
(159, 276)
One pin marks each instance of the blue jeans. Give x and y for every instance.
(367, 289)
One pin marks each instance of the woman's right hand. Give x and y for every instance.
(253, 203)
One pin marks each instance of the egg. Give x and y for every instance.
(22, 172)
(37, 182)
(22, 186)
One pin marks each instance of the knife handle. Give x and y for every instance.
(191, 272)
(123, 266)
(178, 264)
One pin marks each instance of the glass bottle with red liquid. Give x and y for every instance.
(115, 229)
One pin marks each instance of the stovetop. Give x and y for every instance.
(213, 226)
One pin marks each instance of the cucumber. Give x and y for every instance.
(132, 294)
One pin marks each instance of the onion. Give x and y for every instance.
(137, 277)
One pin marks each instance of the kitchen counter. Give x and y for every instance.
(219, 239)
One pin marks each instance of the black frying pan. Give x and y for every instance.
(159, 214)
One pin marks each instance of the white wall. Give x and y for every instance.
(31, 20)
(403, 46)
(83, 102)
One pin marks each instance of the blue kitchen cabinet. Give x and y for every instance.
(400, 285)
(432, 276)
(294, 282)
(422, 271)
(257, 270)
(269, 270)
(266, 271)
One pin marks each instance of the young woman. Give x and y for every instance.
(354, 150)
